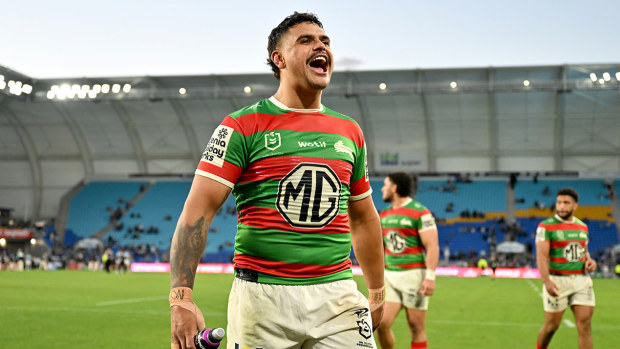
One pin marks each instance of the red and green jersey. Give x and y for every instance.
(292, 172)
(568, 243)
(401, 235)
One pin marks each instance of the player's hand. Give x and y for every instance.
(552, 288)
(427, 288)
(376, 316)
(590, 265)
(184, 324)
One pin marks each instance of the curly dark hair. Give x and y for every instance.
(570, 192)
(405, 183)
(278, 32)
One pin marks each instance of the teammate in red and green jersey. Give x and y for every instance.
(408, 229)
(298, 173)
(563, 260)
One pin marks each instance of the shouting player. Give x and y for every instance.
(563, 260)
(298, 172)
(408, 229)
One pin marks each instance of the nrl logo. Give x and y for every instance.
(273, 140)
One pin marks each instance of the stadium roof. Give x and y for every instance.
(530, 118)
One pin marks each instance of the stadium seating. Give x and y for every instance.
(480, 195)
(591, 192)
(88, 210)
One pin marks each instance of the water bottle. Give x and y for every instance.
(208, 338)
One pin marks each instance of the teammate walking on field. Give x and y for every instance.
(298, 173)
(408, 229)
(563, 260)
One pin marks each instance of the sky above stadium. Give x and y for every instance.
(62, 38)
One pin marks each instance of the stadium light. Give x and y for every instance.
(453, 84)
(2, 242)
(618, 75)
(50, 95)
(92, 94)
(105, 88)
(606, 76)
(593, 77)
(247, 89)
(96, 88)
(27, 89)
(116, 88)
(182, 91)
(33, 241)
(526, 83)
(601, 81)
(127, 88)
(2, 84)
(382, 86)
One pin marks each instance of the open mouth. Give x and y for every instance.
(319, 64)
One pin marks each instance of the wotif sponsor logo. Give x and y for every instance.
(315, 144)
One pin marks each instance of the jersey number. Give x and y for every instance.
(309, 196)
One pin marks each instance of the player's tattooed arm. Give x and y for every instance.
(187, 246)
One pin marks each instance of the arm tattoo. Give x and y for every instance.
(187, 246)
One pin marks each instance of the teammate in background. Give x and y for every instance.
(408, 229)
(563, 260)
(298, 170)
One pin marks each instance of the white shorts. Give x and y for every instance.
(402, 287)
(573, 290)
(332, 315)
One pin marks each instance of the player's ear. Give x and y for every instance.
(278, 59)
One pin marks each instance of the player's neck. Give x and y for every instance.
(400, 201)
(298, 98)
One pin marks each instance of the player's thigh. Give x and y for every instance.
(390, 311)
(553, 319)
(583, 315)
(416, 319)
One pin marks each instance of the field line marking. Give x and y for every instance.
(130, 300)
(569, 323)
(536, 289)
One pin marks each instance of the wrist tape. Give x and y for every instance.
(376, 297)
(430, 275)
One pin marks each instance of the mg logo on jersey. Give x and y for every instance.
(273, 140)
(573, 252)
(309, 196)
(396, 243)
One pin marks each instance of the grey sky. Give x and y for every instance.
(44, 39)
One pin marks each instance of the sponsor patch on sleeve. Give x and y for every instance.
(427, 221)
(215, 152)
(540, 234)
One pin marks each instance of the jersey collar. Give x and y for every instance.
(281, 105)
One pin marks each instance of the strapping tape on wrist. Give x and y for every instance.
(430, 275)
(376, 297)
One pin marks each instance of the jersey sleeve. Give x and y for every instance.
(426, 221)
(541, 233)
(225, 155)
(360, 184)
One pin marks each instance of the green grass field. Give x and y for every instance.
(79, 309)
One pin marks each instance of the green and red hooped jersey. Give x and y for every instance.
(292, 172)
(401, 235)
(568, 243)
